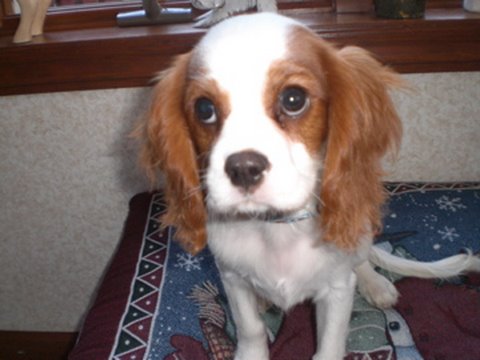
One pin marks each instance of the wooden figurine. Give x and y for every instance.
(32, 18)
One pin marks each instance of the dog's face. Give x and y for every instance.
(252, 105)
(263, 116)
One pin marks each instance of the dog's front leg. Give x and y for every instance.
(333, 311)
(251, 332)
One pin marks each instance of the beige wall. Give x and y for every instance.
(67, 170)
(441, 128)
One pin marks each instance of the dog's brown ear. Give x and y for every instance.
(362, 126)
(167, 146)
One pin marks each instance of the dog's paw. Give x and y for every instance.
(378, 291)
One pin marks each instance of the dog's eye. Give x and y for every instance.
(293, 101)
(205, 111)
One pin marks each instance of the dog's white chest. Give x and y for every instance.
(279, 261)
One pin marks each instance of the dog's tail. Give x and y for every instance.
(442, 269)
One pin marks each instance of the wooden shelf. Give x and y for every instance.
(111, 57)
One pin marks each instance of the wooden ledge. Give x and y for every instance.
(100, 58)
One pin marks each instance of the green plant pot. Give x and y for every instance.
(400, 9)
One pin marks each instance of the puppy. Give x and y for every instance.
(271, 143)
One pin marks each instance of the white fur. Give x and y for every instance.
(283, 263)
(292, 178)
(442, 269)
(279, 262)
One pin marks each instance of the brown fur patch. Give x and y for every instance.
(309, 127)
(362, 125)
(168, 145)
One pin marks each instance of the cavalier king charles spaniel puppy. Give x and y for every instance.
(271, 141)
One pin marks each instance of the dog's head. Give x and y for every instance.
(264, 116)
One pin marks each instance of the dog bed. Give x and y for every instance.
(158, 302)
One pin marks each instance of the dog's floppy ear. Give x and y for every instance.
(167, 146)
(362, 126)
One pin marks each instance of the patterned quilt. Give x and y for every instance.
(172, 305)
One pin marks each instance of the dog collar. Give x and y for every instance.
(300, 215)
(276, 218)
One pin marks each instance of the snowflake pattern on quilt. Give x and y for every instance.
(188, 262)
(442, 219)
(450, 204)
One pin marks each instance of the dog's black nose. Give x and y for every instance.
(245, 169)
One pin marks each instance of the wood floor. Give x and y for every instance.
(16, 345)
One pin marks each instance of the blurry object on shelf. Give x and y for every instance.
(400, 9)
(471, 5)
